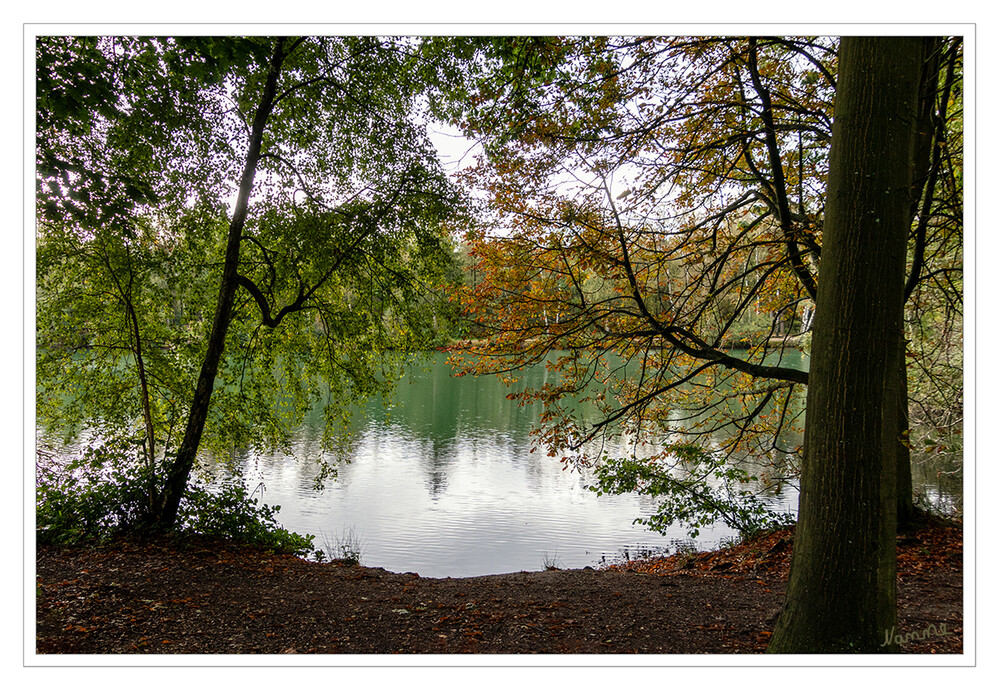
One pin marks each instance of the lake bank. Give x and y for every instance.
(215, 598)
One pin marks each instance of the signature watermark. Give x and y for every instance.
(931, 630)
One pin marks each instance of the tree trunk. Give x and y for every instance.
(929, 136)
(180, 469)
(905, 510)
(841, 589)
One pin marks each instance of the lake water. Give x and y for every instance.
(442, 482)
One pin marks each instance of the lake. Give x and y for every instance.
(441, 481)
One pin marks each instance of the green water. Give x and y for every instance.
(443, 479)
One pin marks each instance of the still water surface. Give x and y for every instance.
(442, 482)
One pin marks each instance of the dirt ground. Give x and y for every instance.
(205, 597)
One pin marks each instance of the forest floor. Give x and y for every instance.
(206, 597)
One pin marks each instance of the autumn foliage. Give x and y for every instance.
(653, 233)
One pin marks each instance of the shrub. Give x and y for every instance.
(688, 499)
(228, 512)
(105, 492)
(94, 496)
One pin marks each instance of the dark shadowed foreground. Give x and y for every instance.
(211, 598)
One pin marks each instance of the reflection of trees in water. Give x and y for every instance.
(445, 413)
(938, 482)
(442, 421)
(438, 417)
(765, 444)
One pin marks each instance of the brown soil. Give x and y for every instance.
(205, 597)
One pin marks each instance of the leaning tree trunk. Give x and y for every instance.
(180, 469)
(841, 589)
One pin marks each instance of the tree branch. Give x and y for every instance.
(779, 185)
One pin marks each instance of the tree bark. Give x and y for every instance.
(180, 469)
(841, 589)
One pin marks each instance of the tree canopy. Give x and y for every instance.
(231, 230)
(656, 210)
(652, 220)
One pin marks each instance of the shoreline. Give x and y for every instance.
(210, 597)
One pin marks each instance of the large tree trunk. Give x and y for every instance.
(841, 589)
(180, 469)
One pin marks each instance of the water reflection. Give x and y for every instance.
(937, 481)
(442, 480)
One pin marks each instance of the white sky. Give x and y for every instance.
(455, 151)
